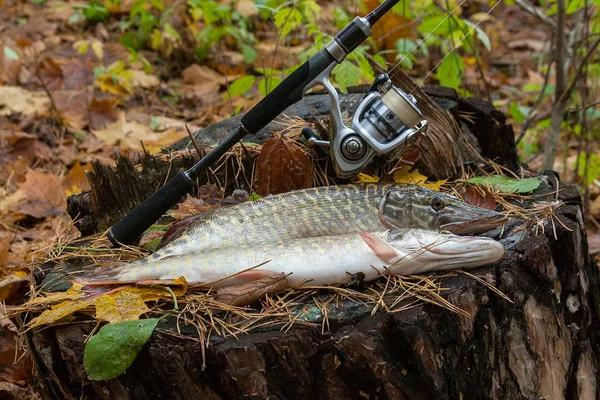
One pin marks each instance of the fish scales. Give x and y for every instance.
(312, 212)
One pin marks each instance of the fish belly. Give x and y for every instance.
(326, 260)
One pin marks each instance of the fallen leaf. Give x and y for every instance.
(282, 166)
(15, 100)
(405, 175)
(475, 197)
(9, 284)
(203, 79)
(114, 348)
(123, 305)
(129, 135)
(15, 365)
(365, 178)
(76, 179)
(39, 196)
(61, 74)
(73, 293)
(60, 311)
(144, 80)
(103, 112)
(190, 206)
(504, 184)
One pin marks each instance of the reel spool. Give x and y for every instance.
(388, 119)
(385, 122)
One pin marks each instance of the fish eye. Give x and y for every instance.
(437, 203)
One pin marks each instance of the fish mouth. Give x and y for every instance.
(474, 226)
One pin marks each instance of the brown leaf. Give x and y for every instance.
(203, 79)
(103, 112)
(13, 368)
(42, 195)
(248, 293)
(190, 206)
(76, 180)
(475, 197)
(73, 107)
(32, 150)
(65, 74)
(282, 166)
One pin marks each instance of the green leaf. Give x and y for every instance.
(254, 196)
(112, 350)
(450, 71)
(347, 74)
(504, 184)
(154, 123)
(249, 53)
(241, 85)
(481, 35)
(516, 113)
(287, 19)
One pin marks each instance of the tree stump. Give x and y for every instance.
(543, 344)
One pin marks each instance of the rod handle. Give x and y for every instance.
(143, 216)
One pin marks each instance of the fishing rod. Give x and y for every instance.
(385, 121)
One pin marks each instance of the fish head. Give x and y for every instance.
(414, 206)
(421, 251)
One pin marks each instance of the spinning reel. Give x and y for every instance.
(385, 122)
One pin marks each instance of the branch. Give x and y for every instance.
(530, 8)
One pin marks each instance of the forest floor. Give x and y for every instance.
(71, 92)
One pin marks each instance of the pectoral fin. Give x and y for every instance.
(380, 247)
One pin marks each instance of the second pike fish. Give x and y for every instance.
(325, 260)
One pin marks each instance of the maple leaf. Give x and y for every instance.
(38, 197)
(76, 180)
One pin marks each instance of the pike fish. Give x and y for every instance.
(309, 232)
(326, 260)
(327, 211)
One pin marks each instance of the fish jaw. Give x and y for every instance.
(421, 251)
(424, 208)
(472, 226)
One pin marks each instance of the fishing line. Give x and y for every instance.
(426, 36)
(456, 45)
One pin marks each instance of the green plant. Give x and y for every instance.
(94, 11)
(222, 23)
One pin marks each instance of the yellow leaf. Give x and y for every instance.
(364, 178)
(404, 175)
(124, 305)
(9, 284)
(156, 39)
(60, 311)
(73, 293)
(98, 49)
(81, 46)
(154, 292)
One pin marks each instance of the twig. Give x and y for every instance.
(530, 8)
